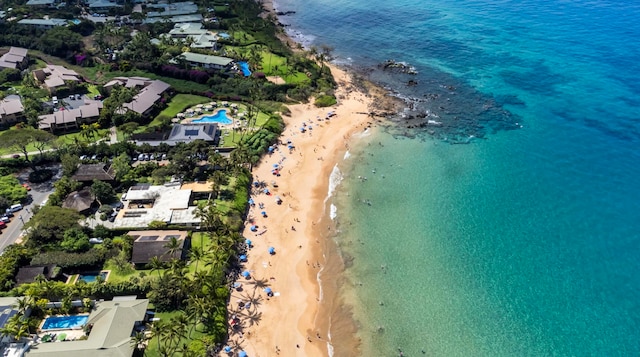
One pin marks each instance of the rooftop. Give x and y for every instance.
(43, 22)
(90, 172)
(206, 59)
(79, 200)
(113, 323)
(11, 105)
(149, 244)
(180, 133)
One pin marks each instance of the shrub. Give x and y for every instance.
(325, 101)
(94, 258)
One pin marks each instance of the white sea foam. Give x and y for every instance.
(333, 213)
(334, 180)
(347, 155)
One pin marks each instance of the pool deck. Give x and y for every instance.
(228, 113)
(77, 277)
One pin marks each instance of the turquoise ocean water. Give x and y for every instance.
(526, 240)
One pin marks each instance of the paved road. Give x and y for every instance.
(39, 192)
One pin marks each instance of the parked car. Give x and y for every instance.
(26, 186)
(78, 96)
(2, 225)
(5, 219)
(152, 157)
(9, 213)
(95, 240)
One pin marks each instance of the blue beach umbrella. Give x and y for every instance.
(242, 354)
(251, 201)
(276, 165)
(243, 258)
(237, 285)
(256, 183)
(246, 274)
(248, 242)
(227, 349)
(263, 213)
(270, 148)
(268, 290)
(272, 250)
(254, 228)
(290, 146)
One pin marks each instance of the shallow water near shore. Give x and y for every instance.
(524, 241)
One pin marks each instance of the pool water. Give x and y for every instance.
(64, 322)
(91, 277)
(220, 117)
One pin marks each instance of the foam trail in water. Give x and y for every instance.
(347, 155)
(333, 213)
(334, 180)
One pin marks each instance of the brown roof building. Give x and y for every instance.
(11, 110)
(80, 201)
(28, 274)
(16, 58)
(149, 244)
(90, 172)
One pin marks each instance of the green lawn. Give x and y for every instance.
(152, 348)
(179, 103)
(116, 277)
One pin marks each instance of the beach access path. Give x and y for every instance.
(286, 323)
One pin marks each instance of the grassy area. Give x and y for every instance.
(152, 347)
(179, 103)
(115, 276)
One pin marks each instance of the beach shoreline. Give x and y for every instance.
(303, 273)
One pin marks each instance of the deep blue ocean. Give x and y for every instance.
(510, 225)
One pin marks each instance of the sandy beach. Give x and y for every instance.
(288, 322)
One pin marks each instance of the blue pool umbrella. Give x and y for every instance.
(243, 258)
(267, 290)
(246, 274)
(242, 354)
(227, 349)
(272, 250)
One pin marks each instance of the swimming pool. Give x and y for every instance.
(220, 117)
(64, 322)
(91, 277)
(244, 66)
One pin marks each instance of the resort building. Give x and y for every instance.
(89, 172)
(41, 3)
(149, 244)
(11, 110)
(196, 33)
(29, 273)
(80, 201)
(111, 325)
(174, 9)
(71, 119)
(102, 6)
(43, 24)
(16, 58)
(150, 93)
(53, 77)
(167, 203)
(180, 133)
(207, 61)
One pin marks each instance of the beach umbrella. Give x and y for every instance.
(180, 115)
(242, 354)
(263, 213)
(256, 183)
(248, 242)
(254, 228)
(251, 201)
(227, 349)
(268, 290)
(236, 285)
(199, 106)
(276, 165)
(246, 274)
(266, 190)
(62, 336)
(290, 146)
(272, 250)
(243, 258)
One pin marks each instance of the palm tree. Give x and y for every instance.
(196, 254)
(139, 342)
(156, 265)
(173, 247)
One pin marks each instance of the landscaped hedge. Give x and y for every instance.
(94, 258)
(13, 257)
